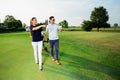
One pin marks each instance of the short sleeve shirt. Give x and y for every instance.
(53, 31)
(36, 34)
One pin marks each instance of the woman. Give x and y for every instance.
(37, 41)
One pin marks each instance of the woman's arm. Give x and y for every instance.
(30, 33)
(38, 27)
(43, 26)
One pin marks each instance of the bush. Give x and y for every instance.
(21, 29)
(87, 25)
(2, 30)
(64, 24)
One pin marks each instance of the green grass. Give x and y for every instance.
(84, 56)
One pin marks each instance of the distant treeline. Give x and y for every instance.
(11, 24)
(111, 29)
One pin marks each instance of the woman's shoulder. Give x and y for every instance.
(31, 27)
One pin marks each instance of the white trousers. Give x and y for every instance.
(37, 47)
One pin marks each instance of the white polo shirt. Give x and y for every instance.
(53, 31)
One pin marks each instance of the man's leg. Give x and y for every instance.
(34, 44)
(51, 47)
(57, 48)
(40, 53)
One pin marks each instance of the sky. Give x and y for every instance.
(74, 11)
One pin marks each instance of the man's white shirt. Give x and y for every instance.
(53, 31)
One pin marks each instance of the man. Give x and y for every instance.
(52, 30)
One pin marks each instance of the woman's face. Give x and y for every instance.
(34, 21)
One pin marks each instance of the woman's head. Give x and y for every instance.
(33, 21)
(51, 19)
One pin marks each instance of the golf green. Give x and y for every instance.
(83, 56)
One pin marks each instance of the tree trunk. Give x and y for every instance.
(98, 29)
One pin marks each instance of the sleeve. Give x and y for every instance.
(57, 26)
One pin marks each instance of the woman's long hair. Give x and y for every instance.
(32, 20)
(31, 24)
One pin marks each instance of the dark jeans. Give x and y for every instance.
(56, 44)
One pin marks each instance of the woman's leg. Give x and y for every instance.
(34, 44)
(40, 53)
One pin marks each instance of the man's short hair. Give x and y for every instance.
(51, 17)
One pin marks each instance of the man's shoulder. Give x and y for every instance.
(49, 26)
(53, 24)
(56, 24)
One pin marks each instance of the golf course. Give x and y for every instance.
(83, 56)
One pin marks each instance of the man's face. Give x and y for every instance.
(52, 20)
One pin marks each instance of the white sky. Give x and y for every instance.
(74, 11)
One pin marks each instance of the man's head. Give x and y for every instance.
(51, 19)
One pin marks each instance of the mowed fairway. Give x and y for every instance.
(83, 56)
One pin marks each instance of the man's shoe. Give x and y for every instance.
(53, 59)
(57, 62)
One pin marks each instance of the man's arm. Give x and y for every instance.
(60, 28)
(46, 32)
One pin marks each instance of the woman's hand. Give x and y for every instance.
(30, 36)
(44, 26)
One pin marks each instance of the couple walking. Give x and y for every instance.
(37, 39)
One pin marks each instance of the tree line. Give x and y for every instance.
(98, 19)
(11, 24)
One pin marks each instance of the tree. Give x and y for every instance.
(9, 18)
(99, 16)
(64, 24)
(24, 25)
(87, 25)
(18, 24)
(115, 26)
(12, 23)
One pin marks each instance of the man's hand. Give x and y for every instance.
(43, 39)
(60, 28)
(45, 35)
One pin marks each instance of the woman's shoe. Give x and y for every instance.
(41, 69)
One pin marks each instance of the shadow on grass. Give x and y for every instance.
(80, 62)
(45, 55)
(73, 75)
